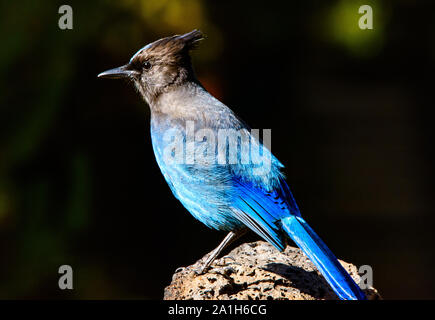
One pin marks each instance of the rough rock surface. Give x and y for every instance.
(256, 271)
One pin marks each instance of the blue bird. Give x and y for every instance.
(215, 165)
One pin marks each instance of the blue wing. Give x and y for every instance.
(271, 211)
(260, 206)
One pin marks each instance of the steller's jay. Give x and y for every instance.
(225, 188)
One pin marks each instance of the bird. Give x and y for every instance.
(227, 189)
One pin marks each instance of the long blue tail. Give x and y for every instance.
(325, 261)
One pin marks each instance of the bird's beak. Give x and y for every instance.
(118, 73)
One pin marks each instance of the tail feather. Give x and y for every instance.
(310, 243)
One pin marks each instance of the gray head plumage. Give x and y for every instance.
(160, 65)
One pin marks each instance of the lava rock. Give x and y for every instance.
(257, 271)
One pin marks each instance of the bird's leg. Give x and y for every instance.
(231, 236)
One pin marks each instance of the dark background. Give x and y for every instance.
(350, 113)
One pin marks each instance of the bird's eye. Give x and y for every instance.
(147, 65)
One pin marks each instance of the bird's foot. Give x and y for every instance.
(200, 270)
(204, 267)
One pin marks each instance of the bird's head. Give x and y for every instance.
(159, 66)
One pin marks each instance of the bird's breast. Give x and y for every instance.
(201, 184)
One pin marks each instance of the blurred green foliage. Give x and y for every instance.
(341, 28)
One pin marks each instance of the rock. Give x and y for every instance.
(256, 271)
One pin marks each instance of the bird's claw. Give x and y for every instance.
(229, 257)
(179, 269)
